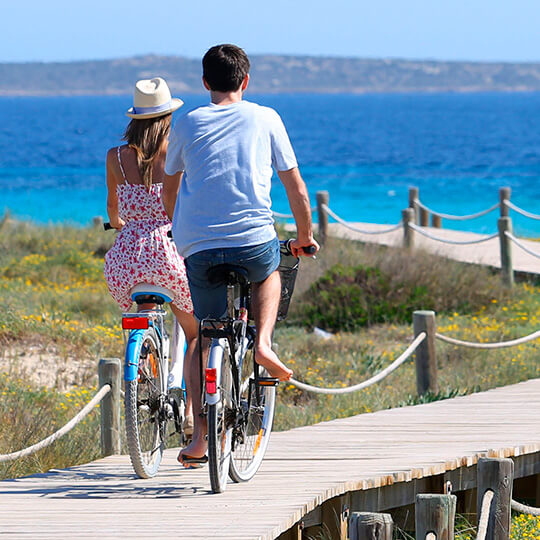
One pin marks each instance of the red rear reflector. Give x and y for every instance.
(210, 376)
(134, 323)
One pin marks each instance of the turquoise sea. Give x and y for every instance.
(364, 149)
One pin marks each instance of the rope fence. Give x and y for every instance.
(415, 220)
(521, 245)
(103, 391)
(356, 229)
(457, 218)
(376, 378)
(485, 512)
(519, 210)
(524, 509)
(454, 242)
(499, 345)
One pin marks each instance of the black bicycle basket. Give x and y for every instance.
(288, 268)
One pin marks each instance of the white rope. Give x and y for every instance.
(356, 229)
(524, 509)
(520, 210)
(455, 242)
(104, 390)
(484, 514)
(376, 378)
(499, 345)
(458, 218)
(521, 245)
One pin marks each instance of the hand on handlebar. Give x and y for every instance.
(118, 224)
(302, 248)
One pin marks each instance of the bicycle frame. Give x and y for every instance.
(153, 318)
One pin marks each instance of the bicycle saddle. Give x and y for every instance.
(228, 274)
(144, 293)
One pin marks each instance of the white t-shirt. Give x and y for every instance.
(227, 153)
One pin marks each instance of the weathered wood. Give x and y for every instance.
(323, 197)
(109, 370)
(407, 216)
(426, 362)
(424, 217)
(413, 198)
(496, 474)
(370, 526)
(436, 221)
(504, 195)
(507, 268)
(436, 514)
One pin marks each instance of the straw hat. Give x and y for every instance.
(152, 98)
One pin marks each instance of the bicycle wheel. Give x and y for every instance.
(145, 421)
(220, 422)
(251, 438)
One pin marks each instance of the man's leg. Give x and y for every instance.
(266, 297)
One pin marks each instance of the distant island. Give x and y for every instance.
(271, 74)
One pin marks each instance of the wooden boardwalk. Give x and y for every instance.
(303, 468)
(486, 253)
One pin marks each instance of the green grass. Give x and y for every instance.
(28, 415)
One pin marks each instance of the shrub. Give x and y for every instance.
(346, 298)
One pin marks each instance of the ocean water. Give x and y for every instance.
(365, 150)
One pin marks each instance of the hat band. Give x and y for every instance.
(151, 110)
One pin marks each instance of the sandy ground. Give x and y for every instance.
(45, 365)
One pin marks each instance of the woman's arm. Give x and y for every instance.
(112, 198)
(171, 185)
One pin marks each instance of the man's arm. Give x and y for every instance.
(299, 202)
(171, 185)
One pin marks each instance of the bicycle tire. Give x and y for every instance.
(249, 445)
(219, 425)
(142, 401)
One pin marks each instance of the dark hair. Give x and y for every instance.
(225, 67)
(146, 136)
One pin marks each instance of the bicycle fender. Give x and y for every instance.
(215, 361)
(133, 347)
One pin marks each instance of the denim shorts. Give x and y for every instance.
(210, 299)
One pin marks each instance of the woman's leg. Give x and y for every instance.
(189, 324)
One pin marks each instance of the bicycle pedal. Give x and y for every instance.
(266, 381)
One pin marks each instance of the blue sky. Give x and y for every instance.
(62, 30)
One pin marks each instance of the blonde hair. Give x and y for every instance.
(146, 137)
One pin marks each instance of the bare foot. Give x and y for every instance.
(196, 449)
(267, 358)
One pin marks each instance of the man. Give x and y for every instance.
(220, 156)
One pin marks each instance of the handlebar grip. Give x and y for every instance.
(310, 250)
(107, 226)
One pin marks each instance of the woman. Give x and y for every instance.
(142, 252)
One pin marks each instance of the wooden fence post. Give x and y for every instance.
(507, 268)
(109, 370)
(407, 216)
(436, 221)
(426, 362)
(496, 474)
(504, 195)
(435, 514)
(323, 197)
(424, 217)
(414, 194)
(364, 525)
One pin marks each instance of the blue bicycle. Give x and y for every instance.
(153, 399)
